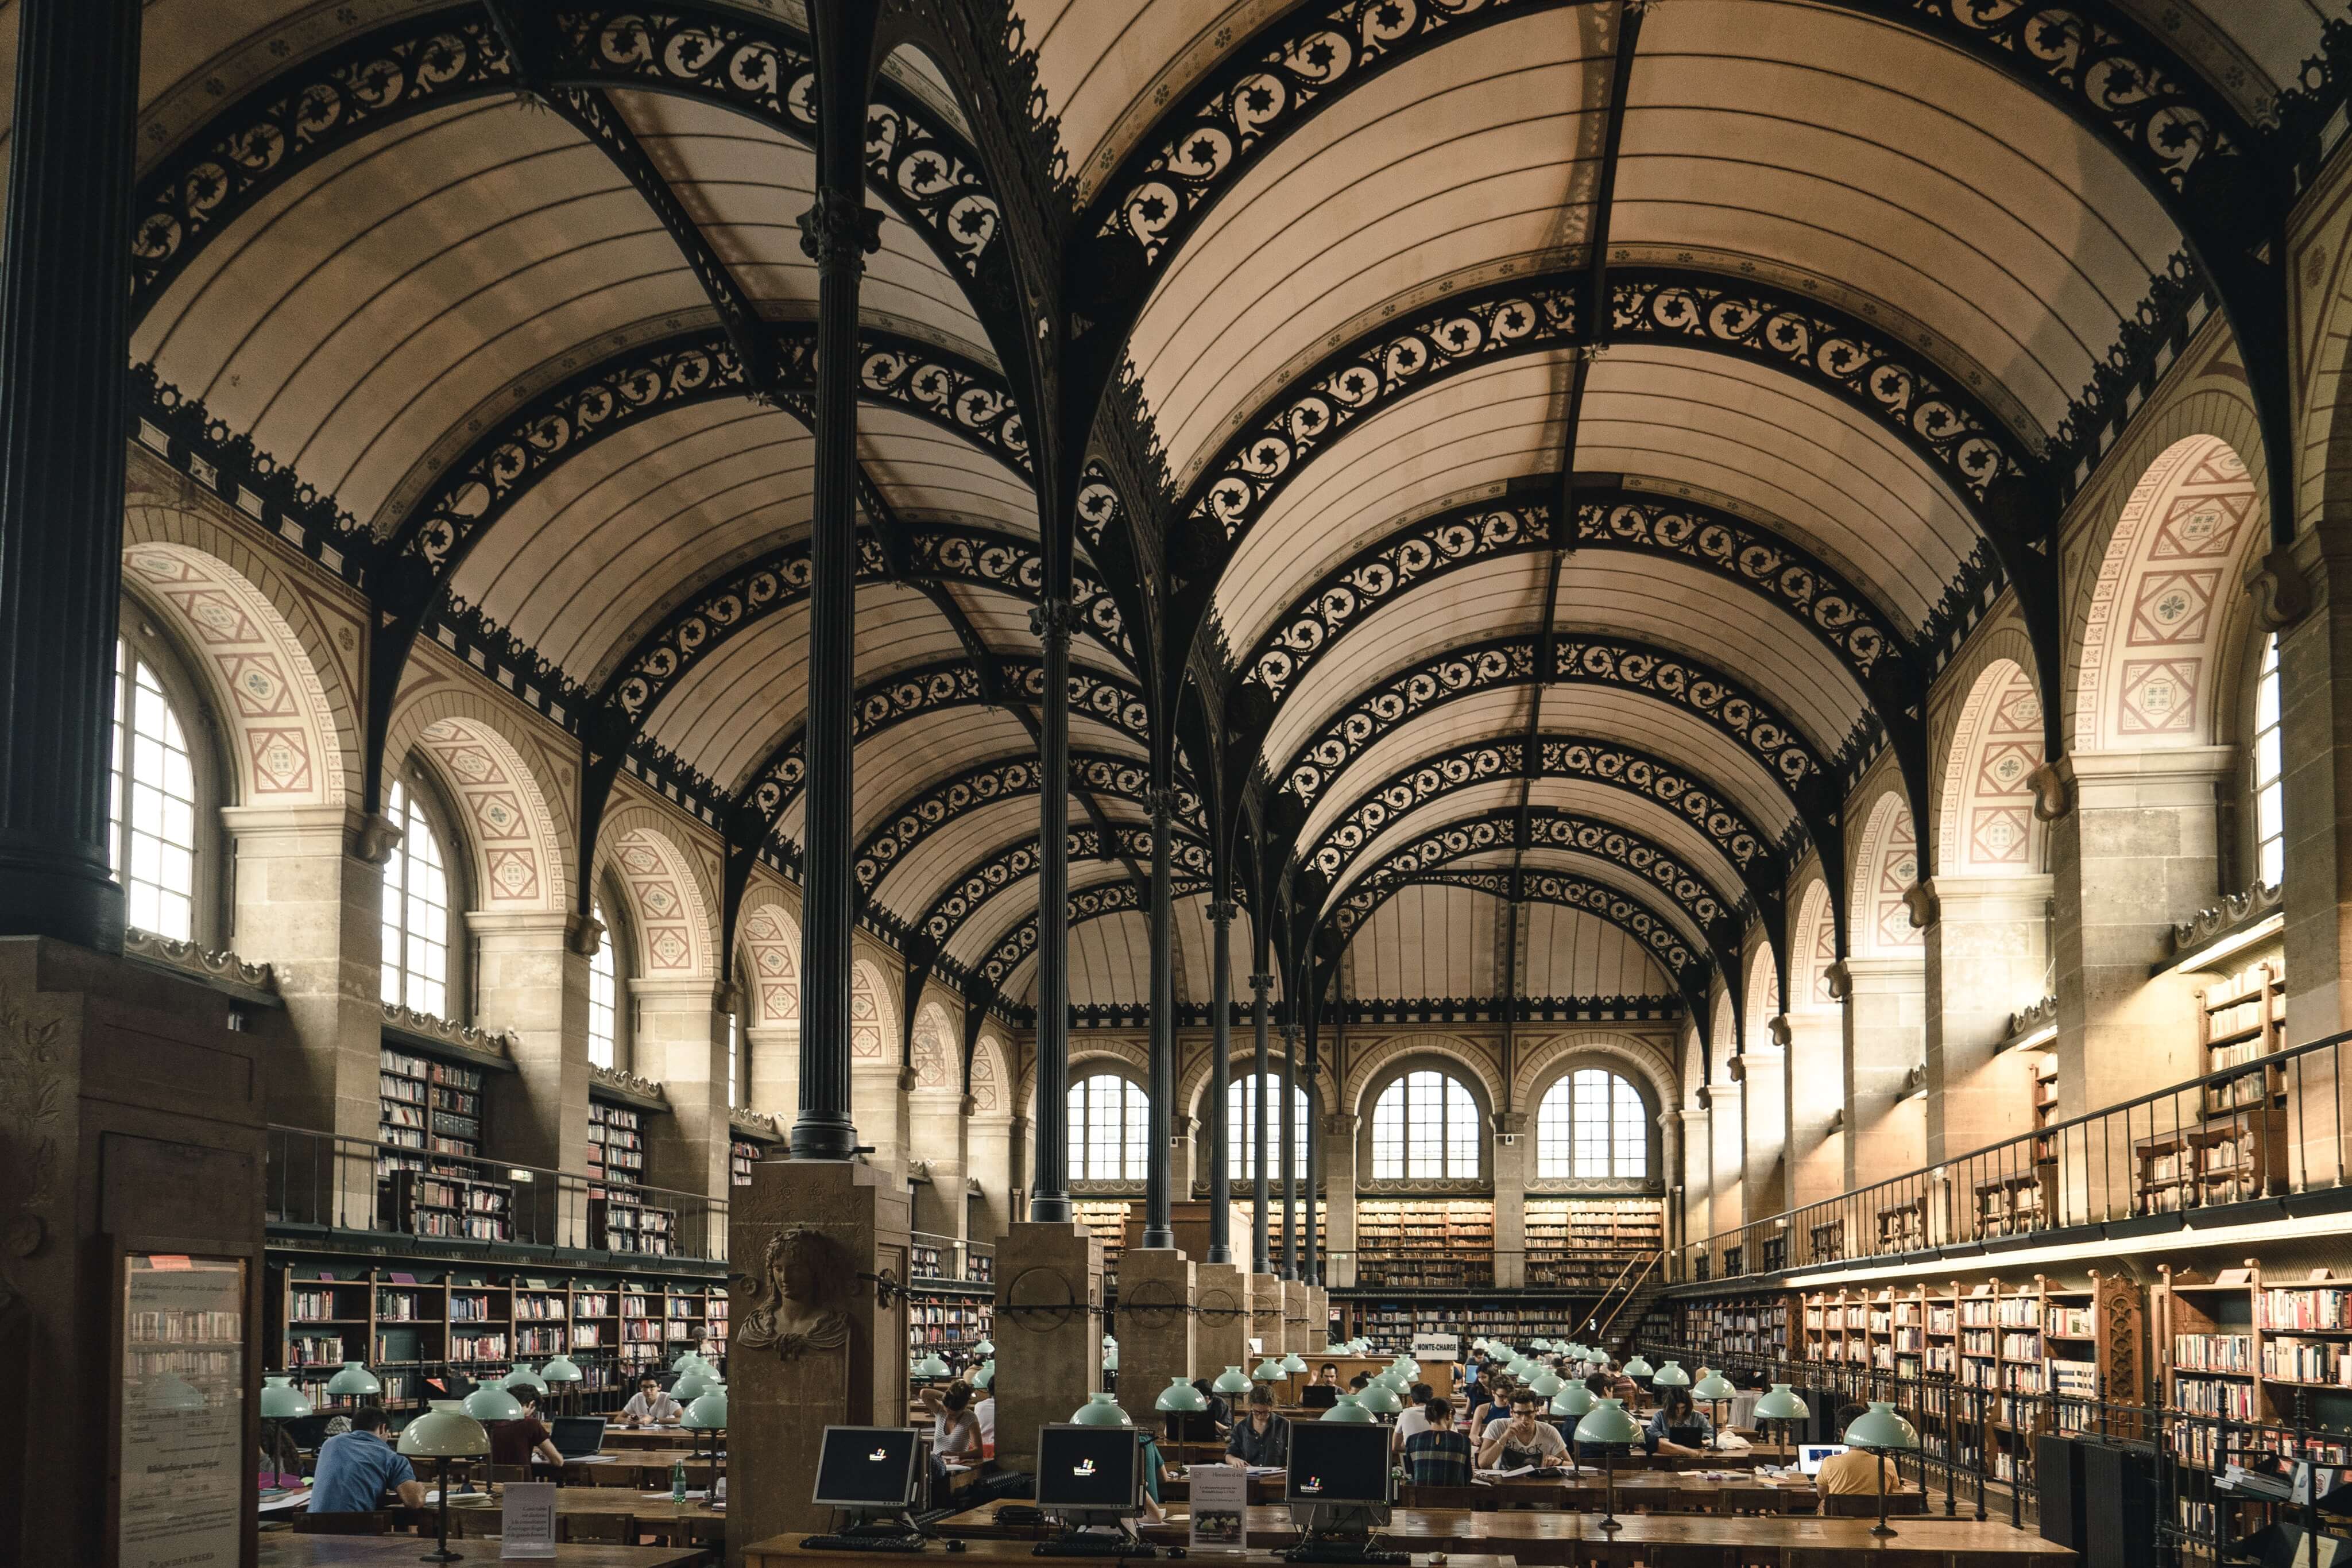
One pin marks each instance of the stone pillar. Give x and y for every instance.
(1763, 1072)
(2138, 853)
(2315, 783)
(878, 1096)
(534, 981)
(682, 1041)
(1221, 1334)
(1511, 1150)
(1987, 957)
(1157, 1289)
(1265, 1315)
(1697, 1167)
(990, 1142)
(1048, 1332)
(939, 1125)
(1886, 1032)
(1294, 1318)
(64, 337)
(1670, 1161)
(776, 1069)
(1318, 1320)
(832, 1219)
(1338, 1132)
(1814, 1079)
(1727, 1209)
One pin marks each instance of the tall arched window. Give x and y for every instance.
(1241, 1128)
(1425, 1125)
(415, 911)
(604, 990)
(1592, 1123)
(1110, 1129)
(2270, 814)
(734, 1059)
(152, 805)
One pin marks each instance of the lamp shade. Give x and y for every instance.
(1110, 1341)
(522, 1376)
(1233, 1380)
(443, 1432)
(1713, 1386)
(1267, 1370)
(1574, 1399)
(1179, 1399)
(1294, 1364)
(355, 1379)
(1110, 1359)
(984, 1348)
(685, 1359)
(1608, 1422)
(1540, 1343)
(1379, 1399)
(1639, 1367)
(694, 1382)
(986, 1374)
(1409, 1367)
(1782, 1405)
(492, 1403)
(1545, 1383)
(1348, 1407)
(560, 1370)
(930, 1365)
(1670, 1375)
(1880, 1428)
(281, 1400)
(1100, 1410)
(708, 1413)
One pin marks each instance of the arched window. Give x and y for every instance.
(417, 911)
(1592, 1123)
(604, 990)
(734, 1059)
(151, 804)
(2270, 815)
(1425, 1125)
(1110, 1129)
(1241, 1128)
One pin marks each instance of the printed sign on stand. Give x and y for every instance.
(1220, 1508)
(529, 1522)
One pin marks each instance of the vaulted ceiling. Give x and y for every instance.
(1606, 565)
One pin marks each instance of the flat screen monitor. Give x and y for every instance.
(1090, 1469)
(577, 1436)
(868, 1468)
(1315, 1396)
(1338, 1462)
(1810, 1454)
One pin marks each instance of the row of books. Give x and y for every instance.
(2213, 1352)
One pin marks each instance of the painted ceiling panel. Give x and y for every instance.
(1568, 953)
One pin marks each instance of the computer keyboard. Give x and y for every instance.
(1344, 1553)
(1095, 1546)
(862, 1543)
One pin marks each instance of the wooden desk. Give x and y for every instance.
(1262, 1488)
(370, 1551)
(786, 1552)
(680, 1524)
(644, 1469)
(652, 1437)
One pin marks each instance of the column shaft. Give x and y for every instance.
(1157, 1230)
(1220, 1051)
(1049, 1182)
(1260, 1263)
(1289, 1154)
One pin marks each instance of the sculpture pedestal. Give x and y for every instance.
(1156, 1292)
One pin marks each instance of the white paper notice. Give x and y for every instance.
(528, 1520)
(1220, 1509)
(187, 1479)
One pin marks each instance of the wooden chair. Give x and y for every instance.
(376, 1524)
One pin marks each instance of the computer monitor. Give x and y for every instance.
(1090, 1475)
(1810, 1454)
(1315, 1396)
(870, 1469)
(577, 1436)
(1337, 1481)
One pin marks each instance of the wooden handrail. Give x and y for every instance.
(1649, 1262)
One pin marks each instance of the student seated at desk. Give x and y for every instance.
(650, 1406)
(1414, 1416)
(955, 1427)
(1220, 1412)
(1494, 1406)
(1525, 1440)
(1854, 1473)
(1260, 1438)
(1437, 1454)
(524, 1438)
(1324, 1392)
(1677, 1427)
(356, 1467)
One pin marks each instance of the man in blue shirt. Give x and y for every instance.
(356, 1467)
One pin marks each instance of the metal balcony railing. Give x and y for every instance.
(2269, 1128)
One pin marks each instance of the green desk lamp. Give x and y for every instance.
(1294, 1364)
(354, 1381)
(1545, 1383)
(1881, 1431)
(709, 1413)
(445, 1432)
(986, 1374)
(562, 1378)
(1379, 1398)
(491, 1402)
(282, 1402)
(1670, 1375)
(931, 1368)
(1350, 1408)
(1233, 1380)
(1100, 1410)
(1179, 1399)
(692, 1384)
(522, 1376)
(1715, 1389)
(1573, 1401)
(1639, 1367)
(1607, 1422)
(1782, 1404)
(1267, 1370)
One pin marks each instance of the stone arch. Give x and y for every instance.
(1193, 1082)
(2146, 664)
(1693, 1064)
(1724, 1037)
(1372, 1069)
(1886, 868)
(771, 940)
(991, 1074)
(1649, 1065)
(1986, 824)
(669, 911)
(873, 1021)
(1815, 950)
(510, 838)
(1763, 995)
(284, 744)
(937, 1075)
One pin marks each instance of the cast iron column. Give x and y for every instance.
(1221, 1070)
(64, 318)
(1049, 1190)
(1260, 1262)
(1312, 1254)
(836, 233)
(1289, 1154)
(1158, 1230)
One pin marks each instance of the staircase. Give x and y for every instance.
(1625, 1317)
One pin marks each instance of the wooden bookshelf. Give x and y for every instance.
(741, 1158)
(617, 1145)
(1577, 1243)
(949, 1324)
(449, 1207)
(1107, 1218)
(2235, 1149)
(619, 1222)
(1425, 1242)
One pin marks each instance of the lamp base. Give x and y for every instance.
(1610, 1523)
(1883, 1529)
(443, 1555)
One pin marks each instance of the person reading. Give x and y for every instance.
(650, 1406)
(1854, 1473)
(1324, 1392)
(955, 1425)
(1676, 1427)
(355, 1468)
(1437, 1454)
(1261, 1439)
(524, 1438)
(1494, 1408)
(1525, 1441)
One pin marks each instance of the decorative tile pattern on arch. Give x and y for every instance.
(865, 1016)
(2159, 696)
(934, 1053)
(775, 971)
(659, 904)
(491, 798)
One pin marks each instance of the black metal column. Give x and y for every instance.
(1260, 1260)
(64, 339)
(1049, 1188)
(1221, 1068)
(1311, 1256)
(837, 232)
(1158, 1230)
(1289, 1153)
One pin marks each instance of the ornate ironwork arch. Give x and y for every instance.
(984, 879)
(1086, 904)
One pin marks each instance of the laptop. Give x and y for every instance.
(577, 1436)
(1317, 1396)
(1810, 1454)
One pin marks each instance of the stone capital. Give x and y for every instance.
(1884, 972)
(708, 993)
(552, 926)
(2165, 776)
(1992, 897)
(1919, 903)
(1781, 1031)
